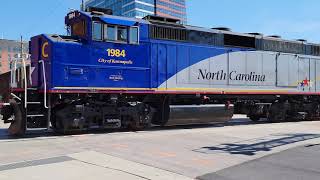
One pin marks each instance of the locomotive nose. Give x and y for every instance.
(44, 50)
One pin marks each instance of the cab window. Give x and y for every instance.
(110, 33)
(78, 29)
(122, 34)
(97, 31)
(134, 35)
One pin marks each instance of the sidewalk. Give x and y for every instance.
(88, 165)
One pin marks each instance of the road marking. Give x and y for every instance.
(164, 154)
(203, 162)
(119, 146)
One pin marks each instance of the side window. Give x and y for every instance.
(122, 34)
(97, 31)
(134, 35)
(116, 33)
(105, 32)
(111, 33)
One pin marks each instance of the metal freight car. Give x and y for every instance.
(118, 72)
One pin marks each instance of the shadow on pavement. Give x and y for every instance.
(312, 145)
(254, 148)
(3, 132)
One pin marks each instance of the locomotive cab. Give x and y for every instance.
(77, 25)
(100, 27)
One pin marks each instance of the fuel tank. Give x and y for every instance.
(199, 114)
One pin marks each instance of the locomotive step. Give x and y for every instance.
(32, 89)
(34, 102)
(37, 129)
(35, 115)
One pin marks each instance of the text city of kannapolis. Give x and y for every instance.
(233, 75)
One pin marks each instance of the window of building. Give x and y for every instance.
(134, 35)
(97, 31)
(78, 29)
(122, 34)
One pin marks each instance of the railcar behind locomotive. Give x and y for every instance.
(116, 72)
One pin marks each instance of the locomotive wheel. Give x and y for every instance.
(18, 125)
(277, 113)
(137, 126)
(254, 118)
(142, 119)
(57, 120)
(60, 128)
(314, 113)
(161, 116)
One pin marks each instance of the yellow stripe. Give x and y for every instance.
(176, 89)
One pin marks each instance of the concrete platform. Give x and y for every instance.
(183, 152)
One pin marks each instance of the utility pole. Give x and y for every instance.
(21, 58)
(21, 46)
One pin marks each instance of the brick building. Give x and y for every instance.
(10, 50)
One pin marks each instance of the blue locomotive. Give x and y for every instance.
(118, 72)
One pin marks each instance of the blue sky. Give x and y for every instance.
(292, 19)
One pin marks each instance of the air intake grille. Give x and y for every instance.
(160, 32)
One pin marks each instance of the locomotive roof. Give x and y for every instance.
(115, 18)
(122, 20)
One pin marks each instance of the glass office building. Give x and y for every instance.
(141, 8)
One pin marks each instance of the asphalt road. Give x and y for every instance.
(236, 150)
(295, 164)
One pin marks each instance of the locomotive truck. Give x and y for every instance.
(119, 72)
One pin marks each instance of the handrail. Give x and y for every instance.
(44, 84)
(15, 96)
(13, 74)
(25, 83)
